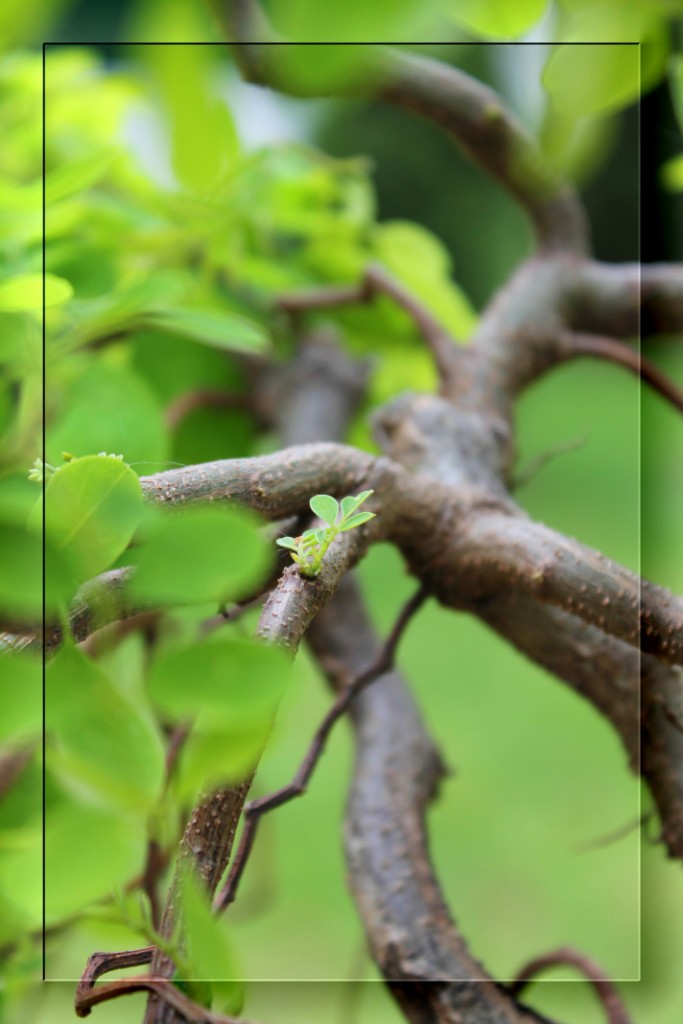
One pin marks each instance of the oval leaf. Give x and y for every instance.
(325, 507)
(220, 330)
(26, 292)
(497, 18)
(200, 555)
(357, 520)
(233, 680)
(104, 745)
(92, 507)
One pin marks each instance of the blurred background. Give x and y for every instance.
(538, 779)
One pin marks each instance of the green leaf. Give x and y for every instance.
(104, 745)
(89, 854)
(110, 408)
(21, 698)
(497, 18)
(26, 292)
(237, 684)
(200, 555)
(422, 262)
(358, 520)
(234, 680)
(210, 952)
(286, 542)
(21, 574)
(352, 502)
(672, 174)
(92, 507)
(325, 507)
(77, 175)
(583, 80)
(675, 69)
(220, 330)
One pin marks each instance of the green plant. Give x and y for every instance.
(310, 548)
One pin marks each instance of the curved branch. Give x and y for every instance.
(477, 119)
(616, 352)
(634, 692)
(502, 554)
(604, 989)
(277, 485)
(472, 114)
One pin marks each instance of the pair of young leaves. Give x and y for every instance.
(310, 548)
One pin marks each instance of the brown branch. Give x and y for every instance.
(472, 114)
(503, 554)
(209, 835)
(616, 352)
(610, 1000)
(276, 485)
(254, 811)
(397, 770)
(181, 1005)
(202, 398)
(12, 765)
(103, 963)
(377, 281)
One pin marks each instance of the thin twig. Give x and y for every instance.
(617, 352)
(256, 808)
(202, 398)
(617, 834)
(187, 1009)
(606, 992)
(377, 281)
(535, 465)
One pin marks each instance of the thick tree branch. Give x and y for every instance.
(277, 485)
(397, 770)
(477, 119)
(472, 114)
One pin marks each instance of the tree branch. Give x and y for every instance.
(616, 352)
(254, 811)
(604, 989)
(377, 281)
(472, 114)
(412, 937)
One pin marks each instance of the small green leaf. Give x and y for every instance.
(325, 507)
(220, 330)
(351, 503)
(26, 292)
(92, 507)
(357, 520)
(286, 542)
(200, 555)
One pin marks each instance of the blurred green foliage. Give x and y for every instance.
(158, 282)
